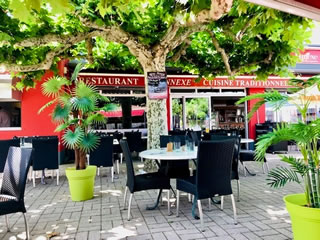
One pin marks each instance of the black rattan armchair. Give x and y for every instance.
(147, 181)
(212, 177)
(235, 159)
(4, 148)
(14, 182)
(45, 156)
(102, 156)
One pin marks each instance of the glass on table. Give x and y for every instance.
(176, 146)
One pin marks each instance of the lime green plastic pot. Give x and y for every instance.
(305, 221)
(81, 183)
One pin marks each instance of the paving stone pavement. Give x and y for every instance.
(261, 212)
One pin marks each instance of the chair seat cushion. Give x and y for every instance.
(10, 204)
(153, 180)
(187, 184)
(246, 155)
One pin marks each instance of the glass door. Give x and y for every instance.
(177, 113)
(197, 113)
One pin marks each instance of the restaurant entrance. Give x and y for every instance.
(206, 109)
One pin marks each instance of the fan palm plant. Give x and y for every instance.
(75, 109)
(304, 133)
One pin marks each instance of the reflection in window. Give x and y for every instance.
(10, 114)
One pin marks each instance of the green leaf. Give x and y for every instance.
(278, 177)
(5, 37)
(73, 139)
(54, 85)
(48, 104)
(89, 142)
(62, 126)
(20, 11)
(60, 112)
(77, 70)
(60, 6)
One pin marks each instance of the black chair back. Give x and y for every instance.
(213, 168)
(103, 154)
(164, 140)
(15, 172)
(236, 153)
(129, 164)
(195, 137)
(4, 148)
(134, 141)
(45, 154)
(177, 132)
(180, 138)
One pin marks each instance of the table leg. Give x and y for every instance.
(157, 202)
(250, 173)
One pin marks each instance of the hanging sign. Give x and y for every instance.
(157, 85)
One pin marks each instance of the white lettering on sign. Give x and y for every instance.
(110, 81)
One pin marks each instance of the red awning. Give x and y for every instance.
(113, 114)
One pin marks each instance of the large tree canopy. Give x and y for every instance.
(125, 34)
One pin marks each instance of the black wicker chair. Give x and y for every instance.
(248, 156)
(4, 148)
(14, 182)
(102, 156)
(141, 182)
(235, 159)
(45, 156)
(212, 177)
(135, 142)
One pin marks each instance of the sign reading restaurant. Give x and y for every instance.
(137, 80)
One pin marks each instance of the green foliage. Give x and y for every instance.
(305, 134)
(280, 176)
(255, 38)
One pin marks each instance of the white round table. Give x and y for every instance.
(162, 154)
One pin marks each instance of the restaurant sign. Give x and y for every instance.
(135, 80)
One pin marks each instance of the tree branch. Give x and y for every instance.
(181, 51)
(223, 53)
(116, 34)
(44, 65)
(241, 33)
(52, 38)
(89, 46)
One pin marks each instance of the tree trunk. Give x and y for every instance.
(156, 112)
(80, 159)
(126, 106)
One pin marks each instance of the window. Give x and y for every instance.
(10, 114)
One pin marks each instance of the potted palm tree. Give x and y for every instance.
(75, 109)
(304, 209)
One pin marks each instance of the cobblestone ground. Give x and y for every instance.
(261, 213)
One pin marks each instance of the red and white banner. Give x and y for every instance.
(135, 80)
(310, 56)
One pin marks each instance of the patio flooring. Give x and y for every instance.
(261, 212)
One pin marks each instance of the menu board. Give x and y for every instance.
(157, 85)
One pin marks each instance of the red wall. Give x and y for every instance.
(32, 123)
(259, 116)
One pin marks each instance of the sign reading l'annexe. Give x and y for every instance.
(136, 80)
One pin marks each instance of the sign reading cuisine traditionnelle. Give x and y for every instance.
(157, 85)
